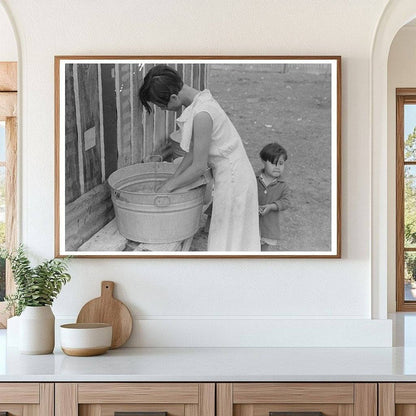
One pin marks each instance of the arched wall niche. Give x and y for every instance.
(396, 14)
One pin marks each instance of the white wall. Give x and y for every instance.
(211, 302)
(401, 74)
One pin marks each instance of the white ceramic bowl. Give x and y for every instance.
(84, 340)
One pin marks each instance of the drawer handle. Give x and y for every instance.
(139, 414)
(296, 414)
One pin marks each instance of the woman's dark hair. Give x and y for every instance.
(272, 152)
(158, 85)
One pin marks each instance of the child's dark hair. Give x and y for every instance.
(272, 152)
(158, 85)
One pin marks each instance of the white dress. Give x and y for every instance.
(235, 219)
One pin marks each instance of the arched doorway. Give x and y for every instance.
(396, 14)
(8, 148)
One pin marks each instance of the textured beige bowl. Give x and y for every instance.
(83, 340)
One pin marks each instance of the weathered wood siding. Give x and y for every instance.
(109, 117)
(89, 139)
(105, 130)
(72, 183)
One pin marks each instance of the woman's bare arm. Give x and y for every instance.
(201, 140)
(186, 162)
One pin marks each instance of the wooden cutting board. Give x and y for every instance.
(107, 309)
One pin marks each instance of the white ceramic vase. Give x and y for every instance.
(37, 330)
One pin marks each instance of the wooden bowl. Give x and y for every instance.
(84, 340)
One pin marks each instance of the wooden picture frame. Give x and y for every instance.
(101, 127)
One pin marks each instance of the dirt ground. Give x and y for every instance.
(291, 107)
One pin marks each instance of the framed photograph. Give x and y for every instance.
(198, 156)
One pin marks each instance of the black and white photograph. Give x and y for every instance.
(198, 157)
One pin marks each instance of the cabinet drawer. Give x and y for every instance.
(138, 393)
(296, 399)
(19, 393)
(153, 399)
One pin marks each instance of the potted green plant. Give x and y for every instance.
(36, 289)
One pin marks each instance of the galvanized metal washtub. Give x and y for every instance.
(146, 216)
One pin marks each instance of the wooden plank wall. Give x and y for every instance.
(89, 139)
(105, 130)
(109, 117)
(72, 184)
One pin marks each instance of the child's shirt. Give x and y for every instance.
(276, 192)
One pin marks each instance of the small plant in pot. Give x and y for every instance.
(36, 289)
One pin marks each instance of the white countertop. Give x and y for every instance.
(222, 364)
(213, 364)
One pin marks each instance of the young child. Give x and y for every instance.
(210, 139)
(273, 194)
